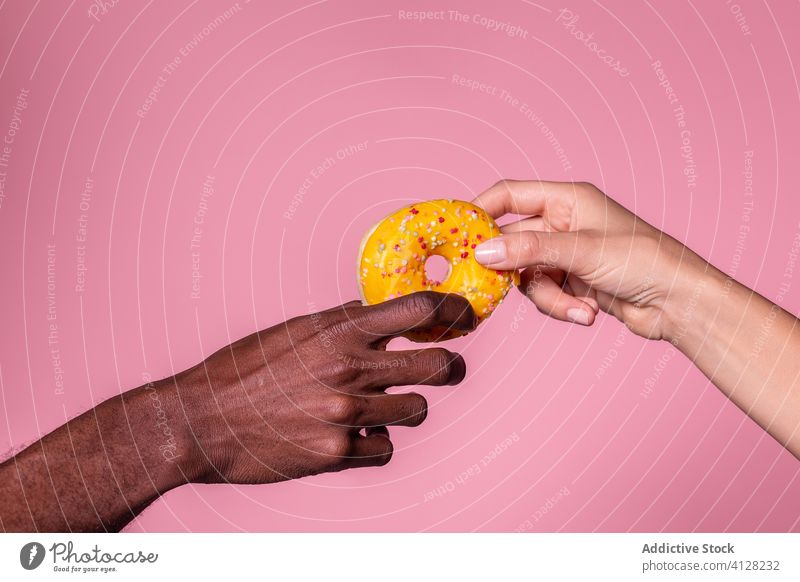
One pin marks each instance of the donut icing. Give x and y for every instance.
(393, 253)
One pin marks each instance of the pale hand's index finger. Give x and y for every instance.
(530, 198)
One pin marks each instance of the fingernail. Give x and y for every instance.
(591, 303)
(577, 315)
(490, 252)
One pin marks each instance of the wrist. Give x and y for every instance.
(208, 433)
(167, 436)
(693, 302)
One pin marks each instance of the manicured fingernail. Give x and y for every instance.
(591, 303)
(490, 252)
(577, 315)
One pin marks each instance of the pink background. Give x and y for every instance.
(274, 90)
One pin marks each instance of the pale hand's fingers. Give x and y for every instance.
(572, 252)
(578, 288)
(552, 300)
(610, 304)
(554, 200)
(533, 223)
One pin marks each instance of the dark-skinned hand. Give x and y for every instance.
(300, 398)
(309, 395)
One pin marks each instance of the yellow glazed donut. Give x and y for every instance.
(391, 260)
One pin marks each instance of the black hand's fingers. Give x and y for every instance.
(418, 311)
(381, 430)
(343, 312)
(394, 409)
(373, 450)
(431, 366)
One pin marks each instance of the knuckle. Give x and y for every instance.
(330, 333)
(439, 365)
(340, 373)
(352, 307)
(585, 187)
(544, 309)
(385, 456)
(504, 182)
(457, 302)
(425, 306)
(340, 328)
(351, 313)
(419, 410)
(650, 245)
(336, 447)
(342, 409)
(527, 245)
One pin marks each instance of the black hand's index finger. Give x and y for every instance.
(430, 366)
(425, 310)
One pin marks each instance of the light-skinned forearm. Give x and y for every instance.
(746, 345)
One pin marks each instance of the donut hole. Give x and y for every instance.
(437, 268)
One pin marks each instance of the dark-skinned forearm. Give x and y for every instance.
(98, 471)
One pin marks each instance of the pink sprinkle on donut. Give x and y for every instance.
(441, 219)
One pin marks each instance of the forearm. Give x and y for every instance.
(98, 471)
(748, 347)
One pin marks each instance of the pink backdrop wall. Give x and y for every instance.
(596, 429)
